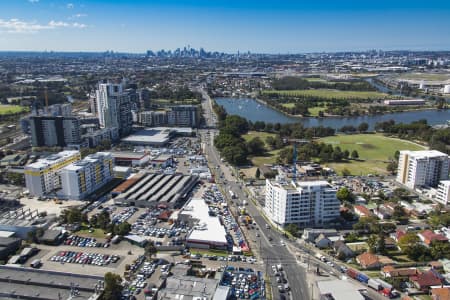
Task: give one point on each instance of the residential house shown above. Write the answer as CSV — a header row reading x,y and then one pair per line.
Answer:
x,y
342,250
362,211
310,234
383,213
425,280
322,242
391,272
397,235
368,260
442,293
428,236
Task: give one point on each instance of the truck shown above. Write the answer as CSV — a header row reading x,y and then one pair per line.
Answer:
x,y
362,278
352,273
115,239
232,195
373,283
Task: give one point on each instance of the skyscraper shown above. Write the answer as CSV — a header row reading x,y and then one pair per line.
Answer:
x,y
422,168
114,107
54,131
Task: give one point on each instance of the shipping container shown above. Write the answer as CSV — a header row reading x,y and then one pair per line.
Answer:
x,y
362,278
373,283
352,273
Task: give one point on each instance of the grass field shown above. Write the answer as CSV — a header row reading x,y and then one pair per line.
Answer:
x,y
313,111
331,94
11,109
97,233
425,76
262,135
374,151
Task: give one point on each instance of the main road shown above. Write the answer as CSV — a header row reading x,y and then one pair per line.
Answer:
x,y
270,240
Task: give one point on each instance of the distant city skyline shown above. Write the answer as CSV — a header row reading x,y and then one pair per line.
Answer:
x,y
226,26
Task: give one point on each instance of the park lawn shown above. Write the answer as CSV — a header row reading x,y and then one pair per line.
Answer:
x,y
262,135
375,151
331,94
314,111
371,146
315,79
11,109
288,105
270,158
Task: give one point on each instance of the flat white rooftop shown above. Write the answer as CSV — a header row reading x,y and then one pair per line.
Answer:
x,y
213,231
52,159
340,289
425,154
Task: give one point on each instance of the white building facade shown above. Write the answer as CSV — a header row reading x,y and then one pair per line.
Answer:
x,y
443,192
42,177
310,203
84,177
422,168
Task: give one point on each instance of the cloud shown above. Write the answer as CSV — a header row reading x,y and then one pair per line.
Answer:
x,y
19,26
70,5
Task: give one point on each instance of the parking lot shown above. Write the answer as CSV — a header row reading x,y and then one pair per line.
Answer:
x,y
85,258
244,283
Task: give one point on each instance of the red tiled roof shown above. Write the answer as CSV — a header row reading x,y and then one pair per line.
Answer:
x,y
429,236
427,279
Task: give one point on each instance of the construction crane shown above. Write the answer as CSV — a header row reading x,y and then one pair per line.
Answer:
x,y
294,142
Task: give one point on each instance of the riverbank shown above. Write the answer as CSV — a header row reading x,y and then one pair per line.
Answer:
x,y
257,110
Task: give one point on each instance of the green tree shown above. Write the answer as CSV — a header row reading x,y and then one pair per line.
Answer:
x,y
258,173
392,167
71,216
372,242
150,249
292,229
440,250
113,287
363,127
355,154
235,155
344,194
381,243
408,241
255,146
122,229
16,178
103,220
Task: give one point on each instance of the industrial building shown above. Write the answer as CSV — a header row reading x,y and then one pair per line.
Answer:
x,y
21,221
55,131
422,168
156,137
42,177
85,176
152,190
131,159
404,102
8,246
308,203
189,287
338,290
27,283
208,231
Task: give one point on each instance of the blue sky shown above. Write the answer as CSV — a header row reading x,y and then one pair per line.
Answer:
x,y
282,26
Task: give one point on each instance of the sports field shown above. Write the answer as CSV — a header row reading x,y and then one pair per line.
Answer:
x,y
11,109
331,94
374,151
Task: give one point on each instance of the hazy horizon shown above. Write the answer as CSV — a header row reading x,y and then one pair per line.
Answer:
x,y
268,27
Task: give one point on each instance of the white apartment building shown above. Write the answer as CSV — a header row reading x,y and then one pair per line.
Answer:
x,y
42,176
422,168
309,203
84,177
443,192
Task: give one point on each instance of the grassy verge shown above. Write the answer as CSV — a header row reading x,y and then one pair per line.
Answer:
x,y
97,233
331,94
11,109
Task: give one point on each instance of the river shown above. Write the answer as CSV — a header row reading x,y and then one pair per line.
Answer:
x,y
255,111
